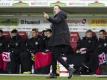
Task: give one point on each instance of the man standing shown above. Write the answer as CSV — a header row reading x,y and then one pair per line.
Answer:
x,y
59,40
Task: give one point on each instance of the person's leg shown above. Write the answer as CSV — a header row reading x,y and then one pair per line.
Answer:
x,y
25,59
17,64
12,64
93,63
62,50
1,64
57,55
64,63
54,64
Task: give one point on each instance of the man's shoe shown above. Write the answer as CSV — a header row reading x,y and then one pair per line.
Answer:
x,y
53,75
71,70
57,74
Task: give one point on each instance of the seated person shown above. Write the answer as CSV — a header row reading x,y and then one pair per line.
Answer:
x,y
102,51
34,45
102,42
87,47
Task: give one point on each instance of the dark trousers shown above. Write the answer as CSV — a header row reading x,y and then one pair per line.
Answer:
x,y
25,60
91,60
57,52
14,65
20,62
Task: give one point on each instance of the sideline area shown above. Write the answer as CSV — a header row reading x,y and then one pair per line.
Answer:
x,y
45,77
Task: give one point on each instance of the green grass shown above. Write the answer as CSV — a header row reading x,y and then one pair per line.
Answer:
x,y
45,78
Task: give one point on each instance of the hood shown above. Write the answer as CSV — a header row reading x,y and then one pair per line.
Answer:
x,y
63,14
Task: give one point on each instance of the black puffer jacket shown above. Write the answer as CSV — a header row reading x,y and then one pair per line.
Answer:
x,y
61,35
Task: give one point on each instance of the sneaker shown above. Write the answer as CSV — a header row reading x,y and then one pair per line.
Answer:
x,y
71,70
57,74
52,75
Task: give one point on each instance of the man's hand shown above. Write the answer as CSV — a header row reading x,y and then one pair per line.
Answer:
x,y
46,15
32,55
77,51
